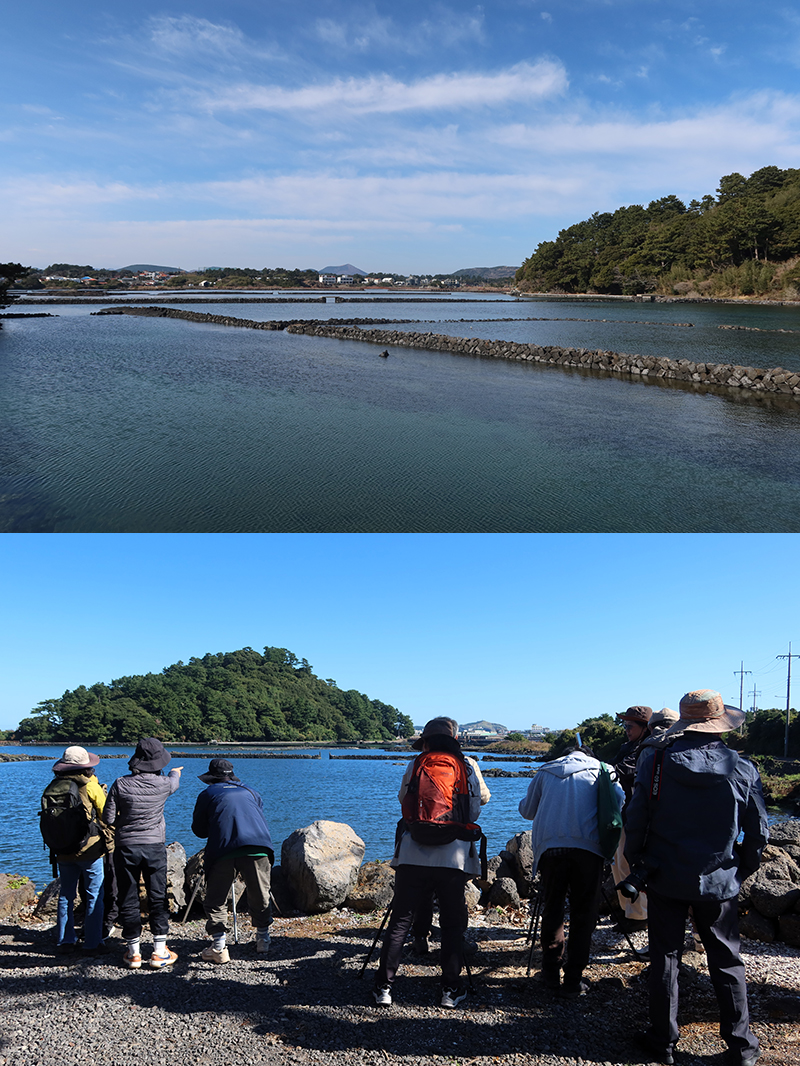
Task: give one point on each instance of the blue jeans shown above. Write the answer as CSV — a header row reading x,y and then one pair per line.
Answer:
x,y
70,873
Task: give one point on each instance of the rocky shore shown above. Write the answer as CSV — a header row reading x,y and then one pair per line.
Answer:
x,y
304,1005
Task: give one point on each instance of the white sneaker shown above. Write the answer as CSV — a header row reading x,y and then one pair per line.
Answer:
x,y
217,957
382,996
451,997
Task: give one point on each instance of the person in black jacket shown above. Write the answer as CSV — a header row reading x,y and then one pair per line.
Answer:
x,y
635,721
231,815
692,800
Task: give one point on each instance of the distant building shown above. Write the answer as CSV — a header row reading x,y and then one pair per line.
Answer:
x,y
327,279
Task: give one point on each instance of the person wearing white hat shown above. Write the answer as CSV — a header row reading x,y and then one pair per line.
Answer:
x,y
85,864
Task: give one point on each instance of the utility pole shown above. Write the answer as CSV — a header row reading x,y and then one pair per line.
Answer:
x,y
788,657
755,697
741,672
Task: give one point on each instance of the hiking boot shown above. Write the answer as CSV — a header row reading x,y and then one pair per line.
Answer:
x,y
101,949
262,945
574,989
550,980
132,962
382,994
217,957
736,1058
451,997
160,962
653,1048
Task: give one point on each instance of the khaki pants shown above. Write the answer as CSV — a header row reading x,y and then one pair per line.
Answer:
x,y
255,872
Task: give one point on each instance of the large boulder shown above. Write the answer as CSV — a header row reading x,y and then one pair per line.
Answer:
x,y
756,927
374,888
519,851
503,893
16,892
786,835
321,865
47,905
176,877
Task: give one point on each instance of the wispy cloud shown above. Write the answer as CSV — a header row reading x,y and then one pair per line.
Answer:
x,y
444,28
382,93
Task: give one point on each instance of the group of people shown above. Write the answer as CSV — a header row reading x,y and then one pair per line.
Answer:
x,y
685,797
125,845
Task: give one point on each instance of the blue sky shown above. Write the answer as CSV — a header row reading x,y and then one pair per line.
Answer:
x,y
512,628
404,137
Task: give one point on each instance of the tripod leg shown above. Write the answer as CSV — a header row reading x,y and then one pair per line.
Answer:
x,y
375,941
533,930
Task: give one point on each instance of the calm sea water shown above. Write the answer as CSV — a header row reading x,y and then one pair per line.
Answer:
x,y
134,425
296,792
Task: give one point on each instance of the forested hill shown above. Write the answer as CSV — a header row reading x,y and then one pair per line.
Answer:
x,y
744,241
238,695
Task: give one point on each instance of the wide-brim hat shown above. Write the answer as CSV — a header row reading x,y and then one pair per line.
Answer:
x,y
150,756
640,715
445,727
704,711
218,770
664,718
76,758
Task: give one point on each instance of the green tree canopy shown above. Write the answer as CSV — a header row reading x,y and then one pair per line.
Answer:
x,y
634,248
239,695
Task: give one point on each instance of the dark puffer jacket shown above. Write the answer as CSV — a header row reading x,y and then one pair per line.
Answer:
x,y
686,838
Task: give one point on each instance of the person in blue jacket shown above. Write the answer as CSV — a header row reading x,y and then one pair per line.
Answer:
x,y
692,799
231,815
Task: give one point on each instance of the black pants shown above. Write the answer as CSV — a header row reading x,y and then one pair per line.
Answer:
x,y
574,872
717,922
149,860
413,886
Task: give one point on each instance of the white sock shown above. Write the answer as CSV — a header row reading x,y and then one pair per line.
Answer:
x,y
218,943
134,947
159,945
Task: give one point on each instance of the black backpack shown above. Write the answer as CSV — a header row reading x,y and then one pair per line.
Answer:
x,y
63,820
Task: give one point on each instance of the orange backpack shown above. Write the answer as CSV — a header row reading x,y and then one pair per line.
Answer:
x,y
436,805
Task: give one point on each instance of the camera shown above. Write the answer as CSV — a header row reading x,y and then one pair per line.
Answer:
x,y
634,883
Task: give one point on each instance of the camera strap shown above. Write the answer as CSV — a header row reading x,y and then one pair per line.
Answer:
x,y
655,780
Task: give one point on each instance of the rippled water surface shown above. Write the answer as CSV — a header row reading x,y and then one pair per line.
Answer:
x,y
153,425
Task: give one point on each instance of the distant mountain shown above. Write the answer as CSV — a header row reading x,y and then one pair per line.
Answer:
x,y
490,273
488,726
346,268
136,267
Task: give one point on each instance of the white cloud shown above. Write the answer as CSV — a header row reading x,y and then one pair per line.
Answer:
x,y
382,93
443,29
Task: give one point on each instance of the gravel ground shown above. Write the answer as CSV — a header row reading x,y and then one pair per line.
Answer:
x,y
304,1004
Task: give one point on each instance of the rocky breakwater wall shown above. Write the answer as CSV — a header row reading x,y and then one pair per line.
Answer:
x,y
651,368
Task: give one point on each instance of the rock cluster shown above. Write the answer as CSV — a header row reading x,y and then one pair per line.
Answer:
x,y
321,869
769,901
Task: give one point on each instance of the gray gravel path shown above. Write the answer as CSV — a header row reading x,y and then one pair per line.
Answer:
x,y
304,1005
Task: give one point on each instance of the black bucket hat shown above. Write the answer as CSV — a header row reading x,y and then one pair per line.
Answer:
x,y
150,756
218,770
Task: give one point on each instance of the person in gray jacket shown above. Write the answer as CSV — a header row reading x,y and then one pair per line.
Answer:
x,y
691,800
562,803
135,807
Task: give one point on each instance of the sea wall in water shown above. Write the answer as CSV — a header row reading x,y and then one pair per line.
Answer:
x,y
713,376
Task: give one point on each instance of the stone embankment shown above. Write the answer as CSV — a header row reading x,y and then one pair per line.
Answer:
x,y
646,367
775,382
